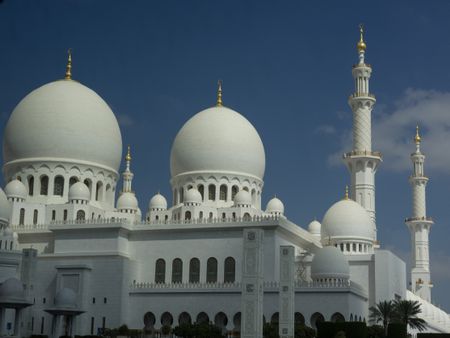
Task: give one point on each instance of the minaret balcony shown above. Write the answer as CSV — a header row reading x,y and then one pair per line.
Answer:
x,y
362,96
363,153
421,220
359,65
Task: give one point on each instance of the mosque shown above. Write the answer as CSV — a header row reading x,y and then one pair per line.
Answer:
x,y
75,260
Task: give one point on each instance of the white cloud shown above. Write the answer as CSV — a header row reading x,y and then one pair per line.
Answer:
x,y
326,129
392,132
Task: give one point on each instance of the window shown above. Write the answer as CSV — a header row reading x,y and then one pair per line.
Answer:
x,y
160,271
35,217
181,195
200,215
44,300
105,300
201,190
229,270
42,325
44,185
187,215
194,270
234,191
177,270
22,216
212,192
92,325
99,192
93,300
247,217
88,184
72,181
58,187
81,215
224,215
103,323
53,215
223,192
65,215
30,185
211,270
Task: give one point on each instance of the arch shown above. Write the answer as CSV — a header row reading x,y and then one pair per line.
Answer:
x,y
247,217
253,196
181,195
81,215
337,317
58,186
212,192
194,270
109,192
275,318
246,189
223,192
202,318
65,215
99,191
229,275
73,180
149,320
187,215
200,215
237,321
30,180
299,318
22,216
88,183
166,319
35,216
44,185
177,270
211,270
234,191
201,190
316,318
351,317
160,271
221,320
184,318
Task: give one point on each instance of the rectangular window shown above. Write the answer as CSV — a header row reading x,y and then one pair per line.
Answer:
x,y
105,300
42,325
92,325
32,324
103,323
53,215
93,300
43,300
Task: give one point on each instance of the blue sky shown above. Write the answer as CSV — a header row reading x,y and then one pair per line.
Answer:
x,y
286,66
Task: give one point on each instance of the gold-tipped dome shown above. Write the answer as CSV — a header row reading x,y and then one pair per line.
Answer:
x,y
346,193
417,138
69,65
219,94
128,155
361,46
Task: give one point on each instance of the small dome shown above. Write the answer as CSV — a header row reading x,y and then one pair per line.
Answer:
x,y
275,206
157,202
66,298
127,201
193,196
79,191
243,198
12,289
347,219
16,189
5,207
314,228
329,262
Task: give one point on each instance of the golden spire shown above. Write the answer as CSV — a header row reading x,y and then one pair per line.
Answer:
x,y
346,193
219,94
69,65
361,46
128,155
417,138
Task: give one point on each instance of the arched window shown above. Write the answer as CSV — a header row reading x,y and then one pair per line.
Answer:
x,y
44,185
299,318
58,187
166,319
160,271
88,183
30,185
221,320
275,318
201,190
53,215
234,191
149,320
229,270
223,192
200,215
81,215
211,270
184,318
108,193
99,191
72,181
194,270
22,216
177,271
315,319
187,215
202,318
35,216
237,321
212,192
337,318
253,196
210,215
65,215
246,189
247,217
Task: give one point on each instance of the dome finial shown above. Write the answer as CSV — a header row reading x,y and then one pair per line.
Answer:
x,y
219,94
417,138
128,155
69,65
361,46
346,193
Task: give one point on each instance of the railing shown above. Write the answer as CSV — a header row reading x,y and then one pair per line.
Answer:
x,y
364,65
111,220
362,152
411,219
254,218
16,227
356,95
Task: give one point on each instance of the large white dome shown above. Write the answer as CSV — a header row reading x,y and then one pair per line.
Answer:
x,y
63,120
218,139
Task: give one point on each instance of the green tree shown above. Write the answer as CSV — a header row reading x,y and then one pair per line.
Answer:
x,y
383,312
407,311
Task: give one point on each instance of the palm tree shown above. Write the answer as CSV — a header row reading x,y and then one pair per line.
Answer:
x,y
383,312
406,312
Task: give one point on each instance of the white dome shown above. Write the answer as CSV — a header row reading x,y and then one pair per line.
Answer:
x,y
218,139
275,206
12,289
7,232
243,198
347,219
329,262
79,191
314,228
5,207
127,201
193,196
157,202
16,189
66,298
63,120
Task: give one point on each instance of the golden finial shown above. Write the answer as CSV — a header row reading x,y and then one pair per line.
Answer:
x,y
69,65
361,46
346,193
219,94
128,155
417,138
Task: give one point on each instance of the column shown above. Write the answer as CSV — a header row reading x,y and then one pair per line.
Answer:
x,y
286,292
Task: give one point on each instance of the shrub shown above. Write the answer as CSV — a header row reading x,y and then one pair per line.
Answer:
x,y
375,331
38,336
433,335
397,330
351,329
303,331
165,329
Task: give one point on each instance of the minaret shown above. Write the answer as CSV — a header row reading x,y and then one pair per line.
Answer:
x,y
127,174
362,162
419,225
